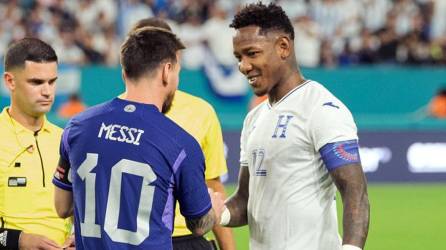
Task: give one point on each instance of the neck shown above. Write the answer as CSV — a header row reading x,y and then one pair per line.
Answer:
x,y
288,82
33,123
143,92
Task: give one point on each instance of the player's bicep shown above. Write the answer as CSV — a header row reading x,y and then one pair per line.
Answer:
x,y
63,196
61,177
63,202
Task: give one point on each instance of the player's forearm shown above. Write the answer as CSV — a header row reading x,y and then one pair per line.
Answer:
x,y
356,218
237,207
237,204
202,225
223,235
352,185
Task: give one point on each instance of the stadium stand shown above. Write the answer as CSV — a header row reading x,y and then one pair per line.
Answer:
x,y
371,31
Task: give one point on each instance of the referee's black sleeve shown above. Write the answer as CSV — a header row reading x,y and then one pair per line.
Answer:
x,y
9,239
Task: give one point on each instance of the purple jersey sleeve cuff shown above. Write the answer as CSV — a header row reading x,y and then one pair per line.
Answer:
x,y
62,185
339,154
200,213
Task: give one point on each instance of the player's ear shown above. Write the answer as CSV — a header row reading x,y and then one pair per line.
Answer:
x,y
283,47
167,70
8,78
124,77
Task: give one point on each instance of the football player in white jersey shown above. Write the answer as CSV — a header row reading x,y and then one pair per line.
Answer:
x,y
296,148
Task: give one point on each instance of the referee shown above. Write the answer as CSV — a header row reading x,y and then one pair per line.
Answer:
x,y
29,149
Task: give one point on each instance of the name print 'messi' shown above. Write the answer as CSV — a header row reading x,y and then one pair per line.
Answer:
x,y
120,133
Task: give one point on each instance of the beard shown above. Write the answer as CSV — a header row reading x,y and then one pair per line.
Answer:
x,y
167,103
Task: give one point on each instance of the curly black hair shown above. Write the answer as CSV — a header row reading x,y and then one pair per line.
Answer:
x,y
271,17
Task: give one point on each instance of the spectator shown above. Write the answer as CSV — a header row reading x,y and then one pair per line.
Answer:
x,y
437,106
387,27
73,106
307,43
438,22
221,45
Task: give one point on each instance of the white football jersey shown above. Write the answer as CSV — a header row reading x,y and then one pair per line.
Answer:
x,y
291,194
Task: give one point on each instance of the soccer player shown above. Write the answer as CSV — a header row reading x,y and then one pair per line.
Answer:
x,y
124,164
28,150
205,128
296,147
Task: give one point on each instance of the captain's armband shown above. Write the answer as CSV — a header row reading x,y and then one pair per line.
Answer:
x,y
339,154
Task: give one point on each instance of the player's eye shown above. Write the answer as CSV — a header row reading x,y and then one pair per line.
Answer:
x,y
36,81
253,53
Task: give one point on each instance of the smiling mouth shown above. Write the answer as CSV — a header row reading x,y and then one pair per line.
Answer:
x,y
252,80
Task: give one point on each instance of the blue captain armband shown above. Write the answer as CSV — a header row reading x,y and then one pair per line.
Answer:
x,y
341,153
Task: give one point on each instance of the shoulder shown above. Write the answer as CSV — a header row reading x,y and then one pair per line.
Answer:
x,y
173,136
93,111
53,128
176,133
5,122
182,98
89,113
322,100
316,91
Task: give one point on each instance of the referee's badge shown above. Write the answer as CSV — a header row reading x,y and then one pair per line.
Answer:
x,y
17,182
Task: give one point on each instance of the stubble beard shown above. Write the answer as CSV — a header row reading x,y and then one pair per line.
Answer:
x,y
167,103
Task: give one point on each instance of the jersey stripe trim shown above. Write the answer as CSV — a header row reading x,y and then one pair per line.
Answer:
x,y
289,93
199,213
178,161
62,185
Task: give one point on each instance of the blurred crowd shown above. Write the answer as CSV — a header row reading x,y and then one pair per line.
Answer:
x,y
328,32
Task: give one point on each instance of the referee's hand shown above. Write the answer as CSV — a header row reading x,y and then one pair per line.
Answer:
x,y
69,243
36,242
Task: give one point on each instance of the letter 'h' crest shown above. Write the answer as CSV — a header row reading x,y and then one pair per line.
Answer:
x,y
282,124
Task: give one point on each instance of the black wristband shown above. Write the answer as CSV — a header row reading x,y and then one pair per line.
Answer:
x,y
9,239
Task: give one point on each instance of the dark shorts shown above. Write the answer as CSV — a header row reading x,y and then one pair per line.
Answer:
x,y
191,242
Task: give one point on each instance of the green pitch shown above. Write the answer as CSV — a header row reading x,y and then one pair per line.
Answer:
x,y
403,217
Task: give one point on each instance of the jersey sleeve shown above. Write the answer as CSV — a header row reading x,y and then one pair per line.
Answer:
x,y
62,177
243,142
213,148
331,122
191,190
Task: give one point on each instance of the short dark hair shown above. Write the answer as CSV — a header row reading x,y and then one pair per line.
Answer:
x,y
146,48
271,17
151,22
28,49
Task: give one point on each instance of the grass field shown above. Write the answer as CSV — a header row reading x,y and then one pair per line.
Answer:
x,y
403,217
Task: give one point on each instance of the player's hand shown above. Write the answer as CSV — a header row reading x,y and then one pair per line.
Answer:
x,y
36,242
69,243
218,203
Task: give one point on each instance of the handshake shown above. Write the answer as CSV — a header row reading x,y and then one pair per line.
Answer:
x,y
215,216
218,205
